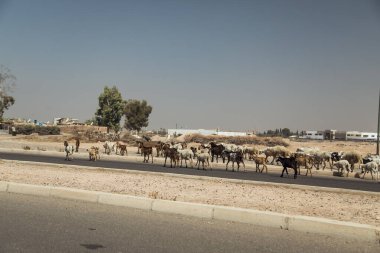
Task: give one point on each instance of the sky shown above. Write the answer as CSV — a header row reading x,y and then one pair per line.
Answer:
x,y
234,65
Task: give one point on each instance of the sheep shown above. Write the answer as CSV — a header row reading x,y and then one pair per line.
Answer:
x,y
342,165
352,157
186,154
203,158
260,160
371,167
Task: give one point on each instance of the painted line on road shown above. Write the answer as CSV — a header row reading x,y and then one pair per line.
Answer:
x,y
316,225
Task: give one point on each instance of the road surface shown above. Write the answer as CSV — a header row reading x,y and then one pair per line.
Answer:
x,y
333,182
38,224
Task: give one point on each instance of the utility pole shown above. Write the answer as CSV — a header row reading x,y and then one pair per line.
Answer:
x,y
378,127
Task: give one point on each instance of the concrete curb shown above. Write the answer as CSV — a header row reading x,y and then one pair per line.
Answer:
x,y
206,178
261,218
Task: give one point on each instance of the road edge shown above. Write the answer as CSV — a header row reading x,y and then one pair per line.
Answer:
x,y
206,178
307,224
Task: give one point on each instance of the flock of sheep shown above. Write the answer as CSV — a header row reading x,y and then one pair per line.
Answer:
x,y
182,153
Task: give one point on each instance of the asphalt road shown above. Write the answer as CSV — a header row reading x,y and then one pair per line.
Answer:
x,y
38,224
333,182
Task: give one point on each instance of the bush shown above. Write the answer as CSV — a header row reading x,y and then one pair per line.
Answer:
x,y
41,130
47,130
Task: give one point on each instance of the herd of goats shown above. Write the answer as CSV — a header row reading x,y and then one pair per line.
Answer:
x,y
231,153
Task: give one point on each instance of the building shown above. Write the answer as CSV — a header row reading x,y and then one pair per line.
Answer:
x,y
313,135
204,132
339,135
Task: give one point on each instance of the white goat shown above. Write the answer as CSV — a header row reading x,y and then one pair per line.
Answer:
x,y
371,167
186,154
203,158
342,165
69,152
109,146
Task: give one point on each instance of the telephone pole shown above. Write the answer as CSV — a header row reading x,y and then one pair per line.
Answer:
x,y
378,127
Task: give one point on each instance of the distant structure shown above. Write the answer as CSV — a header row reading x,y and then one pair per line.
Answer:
x,y
339,135
70,125
172,132
66,121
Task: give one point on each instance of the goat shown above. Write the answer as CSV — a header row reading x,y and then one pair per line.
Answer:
x,y
122,147
250,152
342,165
234,157
203,158
336,156
186,154
173,155
352,157
260,160
92,153
288,163
109,146
146,152
371,167
69,152
302,159
275,152
216,150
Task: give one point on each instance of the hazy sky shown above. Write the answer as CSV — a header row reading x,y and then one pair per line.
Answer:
x,y
236,65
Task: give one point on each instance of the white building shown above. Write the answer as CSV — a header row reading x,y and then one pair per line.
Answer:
x,y
204,132
313,135
362,136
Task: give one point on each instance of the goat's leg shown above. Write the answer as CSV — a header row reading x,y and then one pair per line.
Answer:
x,y
273,160
282,174
364,174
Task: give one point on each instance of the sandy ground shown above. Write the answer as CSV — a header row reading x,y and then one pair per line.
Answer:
x,y
360,208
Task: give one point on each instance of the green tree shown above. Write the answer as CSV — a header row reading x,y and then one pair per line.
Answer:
x,y
111,108
6,83
136,114
286,132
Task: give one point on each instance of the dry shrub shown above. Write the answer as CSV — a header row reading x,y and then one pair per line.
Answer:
x,y
238,140
26,148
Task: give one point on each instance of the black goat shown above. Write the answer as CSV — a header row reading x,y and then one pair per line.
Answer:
x,y
216,150
288,163
335,156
